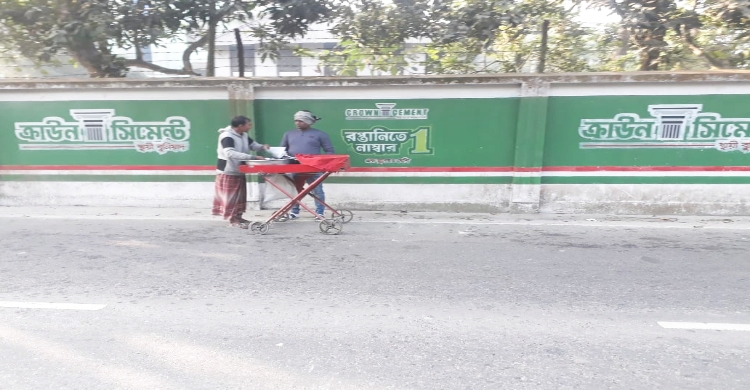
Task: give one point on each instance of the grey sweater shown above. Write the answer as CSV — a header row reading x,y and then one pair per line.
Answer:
x,y
232,148
308,141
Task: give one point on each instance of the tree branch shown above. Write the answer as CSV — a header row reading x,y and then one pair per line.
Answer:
x,y
186,65
697,50
190,49
156,68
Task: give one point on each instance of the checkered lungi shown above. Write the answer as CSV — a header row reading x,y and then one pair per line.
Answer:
x,y
230,196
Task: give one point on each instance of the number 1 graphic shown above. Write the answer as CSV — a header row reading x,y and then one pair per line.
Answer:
x,y
421,144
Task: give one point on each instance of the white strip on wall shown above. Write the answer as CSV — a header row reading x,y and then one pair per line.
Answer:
x,y
650,89
112,94
397,174
464,91
200,195
146,194
376,92
695,199
725,199
212,173
649,174
431,174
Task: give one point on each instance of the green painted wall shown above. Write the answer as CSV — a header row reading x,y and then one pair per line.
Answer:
x,y
204,117
523,141
452,132
527,133
455,132
562,146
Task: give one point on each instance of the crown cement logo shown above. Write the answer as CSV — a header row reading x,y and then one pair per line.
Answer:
x,y
680,126
385,111
102,130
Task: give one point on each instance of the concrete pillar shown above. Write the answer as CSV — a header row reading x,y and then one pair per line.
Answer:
x,y
242,102
529,151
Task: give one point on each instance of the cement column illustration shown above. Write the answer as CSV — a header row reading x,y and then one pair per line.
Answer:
x,y
672,119
94,123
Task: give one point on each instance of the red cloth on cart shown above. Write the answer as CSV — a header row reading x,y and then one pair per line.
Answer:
x,y
324,162
308,163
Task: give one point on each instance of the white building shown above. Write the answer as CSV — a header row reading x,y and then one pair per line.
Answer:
x,y
226,60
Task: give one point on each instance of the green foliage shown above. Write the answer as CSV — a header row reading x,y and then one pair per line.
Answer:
x,y
453,58
373,35
291,18
393,36
88,31
40,29
475,36
351,57
517,48
648,23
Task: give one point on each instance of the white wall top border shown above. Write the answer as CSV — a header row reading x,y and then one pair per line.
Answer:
x,y
111,94
653,89
464,91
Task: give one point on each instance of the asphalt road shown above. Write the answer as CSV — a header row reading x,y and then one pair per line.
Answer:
x,y
394,302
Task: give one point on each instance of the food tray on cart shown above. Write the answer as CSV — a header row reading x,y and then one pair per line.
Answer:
x,y
269,161
278,168
307,164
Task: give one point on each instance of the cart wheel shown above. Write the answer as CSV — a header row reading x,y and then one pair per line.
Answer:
x,y
255,227
344,215
258,227
331,226
282,218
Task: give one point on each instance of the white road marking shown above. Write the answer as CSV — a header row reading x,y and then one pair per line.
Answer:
x,y
704,326
49,305
687,224
634,224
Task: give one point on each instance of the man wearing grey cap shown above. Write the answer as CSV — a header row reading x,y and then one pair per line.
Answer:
x,y
307,140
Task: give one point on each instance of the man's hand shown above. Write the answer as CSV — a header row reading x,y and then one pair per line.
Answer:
x,y
266,146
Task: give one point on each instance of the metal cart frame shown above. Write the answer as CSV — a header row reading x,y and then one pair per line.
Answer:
x,y
339,217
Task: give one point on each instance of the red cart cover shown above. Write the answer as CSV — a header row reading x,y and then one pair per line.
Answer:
x,y
309,163
325,162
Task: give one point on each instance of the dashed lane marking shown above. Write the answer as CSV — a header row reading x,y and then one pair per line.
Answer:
x,y
50,305
704,326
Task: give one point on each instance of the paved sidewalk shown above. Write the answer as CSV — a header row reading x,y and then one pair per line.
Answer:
x,y
192,214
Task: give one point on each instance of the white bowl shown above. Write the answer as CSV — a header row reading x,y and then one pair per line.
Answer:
x,y
277,151
280,161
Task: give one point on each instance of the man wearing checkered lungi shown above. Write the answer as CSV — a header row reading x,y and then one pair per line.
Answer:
x,y
234,146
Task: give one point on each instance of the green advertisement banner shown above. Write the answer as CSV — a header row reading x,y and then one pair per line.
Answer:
x,y
631,131
707,130
417,133
111,132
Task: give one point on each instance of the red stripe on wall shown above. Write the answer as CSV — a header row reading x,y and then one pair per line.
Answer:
x,y
435,169
107,167
210,168
648,169
388,169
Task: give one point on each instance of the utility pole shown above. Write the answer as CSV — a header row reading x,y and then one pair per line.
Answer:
x,y
210,63
240,52
543,48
